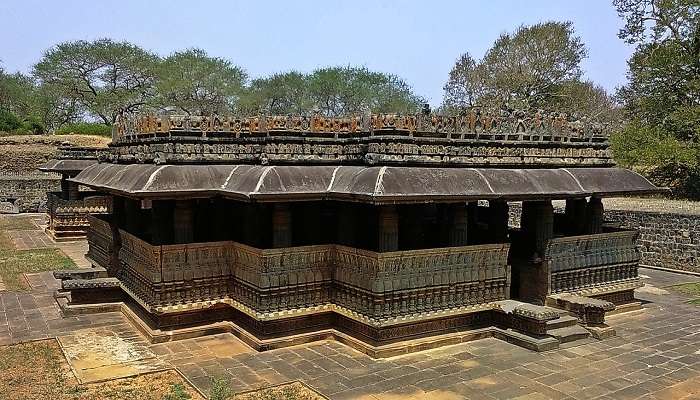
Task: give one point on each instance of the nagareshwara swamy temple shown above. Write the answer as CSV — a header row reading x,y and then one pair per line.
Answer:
x,y
389,233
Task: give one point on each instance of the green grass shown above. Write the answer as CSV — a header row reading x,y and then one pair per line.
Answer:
x,y
13,262
16,223
690,290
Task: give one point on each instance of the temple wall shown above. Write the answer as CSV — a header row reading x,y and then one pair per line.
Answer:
x,y
669,236
26,192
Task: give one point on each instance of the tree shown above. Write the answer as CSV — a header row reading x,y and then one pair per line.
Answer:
x,y
466,85
196,83
336,91
332,91
108,79
16,93
279,94
661,100
525,69
53,108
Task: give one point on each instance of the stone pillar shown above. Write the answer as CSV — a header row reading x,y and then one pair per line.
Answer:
x,y
116,221
159,223
458,220
281,225
73,191
65,187
183,215
533,275
347,216
594,216
575,216
223,219
538,224
388,229
498,221
132,213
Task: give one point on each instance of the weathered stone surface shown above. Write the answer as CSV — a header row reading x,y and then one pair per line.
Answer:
x,y
27,192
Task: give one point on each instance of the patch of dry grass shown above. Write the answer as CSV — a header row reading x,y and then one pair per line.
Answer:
x,y
289,391
38,371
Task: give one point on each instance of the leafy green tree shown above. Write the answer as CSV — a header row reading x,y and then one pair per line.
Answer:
x,y
530,68
195,83
108,79
466,85
279,94
16,93
53,108
339,91
662,97
332,91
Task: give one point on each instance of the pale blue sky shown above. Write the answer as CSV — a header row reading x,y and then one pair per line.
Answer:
x,y
416,40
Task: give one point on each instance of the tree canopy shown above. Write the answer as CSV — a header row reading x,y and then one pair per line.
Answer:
x,y
662,97
333,91
195,83
107,78
534,67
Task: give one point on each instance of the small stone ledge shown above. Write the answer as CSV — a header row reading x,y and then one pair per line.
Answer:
x,y
589,310
82,273
527,310
96,283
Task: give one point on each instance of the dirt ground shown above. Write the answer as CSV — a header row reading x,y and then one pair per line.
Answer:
x,y
38,371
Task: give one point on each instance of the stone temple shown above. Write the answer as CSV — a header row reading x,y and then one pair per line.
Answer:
x,y
389,233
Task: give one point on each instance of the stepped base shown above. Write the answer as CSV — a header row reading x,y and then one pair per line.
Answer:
x,y
569,333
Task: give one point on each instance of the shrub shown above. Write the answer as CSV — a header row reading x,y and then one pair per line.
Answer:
x,y
662,158
177,392
220,389
9,122
86,128
33,125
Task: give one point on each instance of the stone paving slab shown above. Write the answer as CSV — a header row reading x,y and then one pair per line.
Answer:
x,y
101,354
656,355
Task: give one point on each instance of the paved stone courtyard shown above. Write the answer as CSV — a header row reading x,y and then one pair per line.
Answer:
x,y
656,355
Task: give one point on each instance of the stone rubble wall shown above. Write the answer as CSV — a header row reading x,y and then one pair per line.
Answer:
x,y
26,192
669,230
666,240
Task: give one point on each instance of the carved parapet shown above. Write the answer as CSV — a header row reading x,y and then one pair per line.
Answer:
x,y
590,261
377,286
69,218
491,125
100,241
471,139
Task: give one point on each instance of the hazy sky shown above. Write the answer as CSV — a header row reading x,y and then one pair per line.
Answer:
x,y
416,40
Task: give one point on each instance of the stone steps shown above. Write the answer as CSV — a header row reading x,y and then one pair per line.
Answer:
x,y
569,333
561,322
